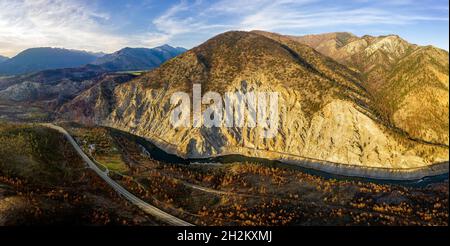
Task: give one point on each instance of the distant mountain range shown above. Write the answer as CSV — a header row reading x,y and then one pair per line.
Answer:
x,y
3,58
52,87
132,59
39,59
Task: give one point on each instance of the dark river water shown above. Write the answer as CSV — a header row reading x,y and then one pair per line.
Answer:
x,y
161,155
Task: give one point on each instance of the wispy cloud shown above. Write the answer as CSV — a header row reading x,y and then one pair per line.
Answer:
x,y
280,17
183,18
59,23
288,15
79,24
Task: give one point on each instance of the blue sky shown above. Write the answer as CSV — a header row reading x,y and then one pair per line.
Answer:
x,y
108,25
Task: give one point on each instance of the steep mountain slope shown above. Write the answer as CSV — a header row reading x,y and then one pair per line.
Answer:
x,y
325,112
133,59
94,104
409,83
38,59
330,44
417,92
3,58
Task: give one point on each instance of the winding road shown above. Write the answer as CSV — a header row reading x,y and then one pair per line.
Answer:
x,y
147,208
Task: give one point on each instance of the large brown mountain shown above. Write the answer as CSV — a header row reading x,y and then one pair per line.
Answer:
x,y
326,111
409,83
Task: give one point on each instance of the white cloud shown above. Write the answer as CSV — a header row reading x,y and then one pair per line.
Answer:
x,y
74,24
182,18
56,23
281,15
281,18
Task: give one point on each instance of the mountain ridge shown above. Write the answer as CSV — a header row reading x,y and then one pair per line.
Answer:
x,y
50,88
326,113
46,58
38,59
385,64
3,58
138,58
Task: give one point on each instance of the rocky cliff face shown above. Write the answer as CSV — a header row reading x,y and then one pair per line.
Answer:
x,y
409,83
325,111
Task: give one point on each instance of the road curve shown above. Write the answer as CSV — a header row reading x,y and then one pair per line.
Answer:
x,y
147,208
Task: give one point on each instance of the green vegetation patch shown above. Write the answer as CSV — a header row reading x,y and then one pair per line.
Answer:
x,y
101,146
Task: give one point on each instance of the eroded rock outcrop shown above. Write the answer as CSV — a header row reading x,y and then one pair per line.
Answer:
x,y
325,112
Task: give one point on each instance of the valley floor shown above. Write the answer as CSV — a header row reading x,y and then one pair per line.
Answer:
x,y
250,193
44,181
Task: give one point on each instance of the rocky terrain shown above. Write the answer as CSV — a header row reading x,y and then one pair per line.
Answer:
x,y
49,89
99,94
409,83
327,111
39,95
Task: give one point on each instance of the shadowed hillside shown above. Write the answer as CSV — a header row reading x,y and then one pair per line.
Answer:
x,y
409,83
326,111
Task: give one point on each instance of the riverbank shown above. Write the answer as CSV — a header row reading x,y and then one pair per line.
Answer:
x,y
378,173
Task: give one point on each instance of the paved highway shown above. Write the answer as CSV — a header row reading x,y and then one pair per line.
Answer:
x,y
149,209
